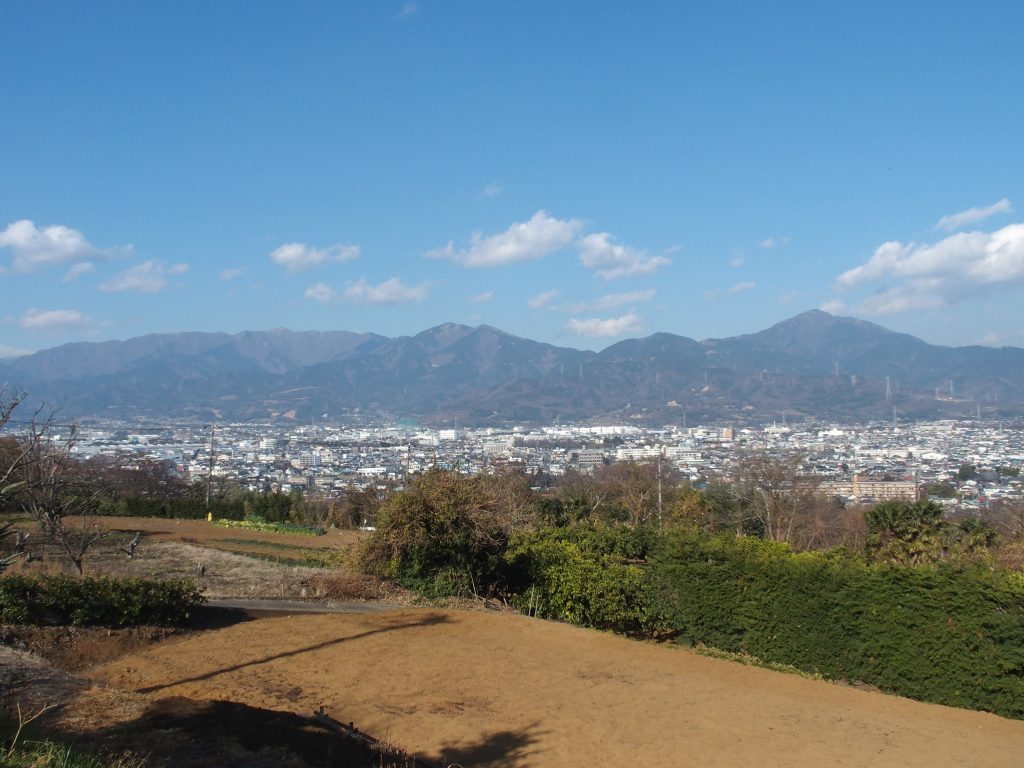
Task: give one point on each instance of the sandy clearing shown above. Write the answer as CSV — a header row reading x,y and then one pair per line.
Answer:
x,y
503,690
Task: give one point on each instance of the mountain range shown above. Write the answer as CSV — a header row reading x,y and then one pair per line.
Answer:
x,y
811,365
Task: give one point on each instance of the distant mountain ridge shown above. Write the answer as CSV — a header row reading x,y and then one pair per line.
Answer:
x,y
813,364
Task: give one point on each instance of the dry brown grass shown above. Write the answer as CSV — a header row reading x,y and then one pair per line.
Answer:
x,y
224,568
348,586
30,681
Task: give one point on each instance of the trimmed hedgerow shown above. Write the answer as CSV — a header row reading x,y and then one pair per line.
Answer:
x,y
951,634
96,601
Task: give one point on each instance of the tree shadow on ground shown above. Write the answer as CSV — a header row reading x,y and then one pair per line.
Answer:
x,y
216,617
179,731
508,749
392,625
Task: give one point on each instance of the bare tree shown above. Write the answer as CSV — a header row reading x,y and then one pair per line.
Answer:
x,y
14,455
643,491
512,498
584,495
778,496
57,494
359,506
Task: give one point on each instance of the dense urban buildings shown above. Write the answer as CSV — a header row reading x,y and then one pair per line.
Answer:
x,y
964,464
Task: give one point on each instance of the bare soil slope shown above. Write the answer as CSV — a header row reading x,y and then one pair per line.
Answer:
x,y
487,689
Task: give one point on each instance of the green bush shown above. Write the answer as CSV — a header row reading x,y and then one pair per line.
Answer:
x,y
96,601
581,576
952,634
256,523
444,535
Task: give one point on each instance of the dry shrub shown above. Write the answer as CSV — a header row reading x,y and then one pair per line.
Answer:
x,y
341,585
1009,555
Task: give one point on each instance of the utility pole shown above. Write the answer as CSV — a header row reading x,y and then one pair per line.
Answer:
x,y
661,519
209,474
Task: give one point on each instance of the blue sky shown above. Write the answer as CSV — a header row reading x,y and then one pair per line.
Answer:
x,y
572,172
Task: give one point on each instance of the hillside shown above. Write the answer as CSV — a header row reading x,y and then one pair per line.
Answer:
x,y
814,364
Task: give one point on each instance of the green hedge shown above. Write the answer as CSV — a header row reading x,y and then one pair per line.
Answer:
x,y
952,634
96,601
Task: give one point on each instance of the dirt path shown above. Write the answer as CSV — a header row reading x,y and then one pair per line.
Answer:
x,y
486,689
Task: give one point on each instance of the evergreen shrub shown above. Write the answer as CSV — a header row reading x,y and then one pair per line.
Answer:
x,y
96,601
583,576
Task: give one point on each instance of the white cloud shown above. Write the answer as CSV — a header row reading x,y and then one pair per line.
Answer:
x,y
906,298
391,291
939,274
833,307
991,339
230,274
973,215
715,293
299,257
523,241
741,287
736,262
606,327
611,261
482,298
8,352
148,277
610,301
408,10
322,292
542,299
34,248
788,297
54,319
773,242
77,270
491,190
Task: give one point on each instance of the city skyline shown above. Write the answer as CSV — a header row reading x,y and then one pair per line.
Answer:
x,y
575,175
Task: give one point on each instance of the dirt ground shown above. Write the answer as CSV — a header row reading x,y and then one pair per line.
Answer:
x,y
489,689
